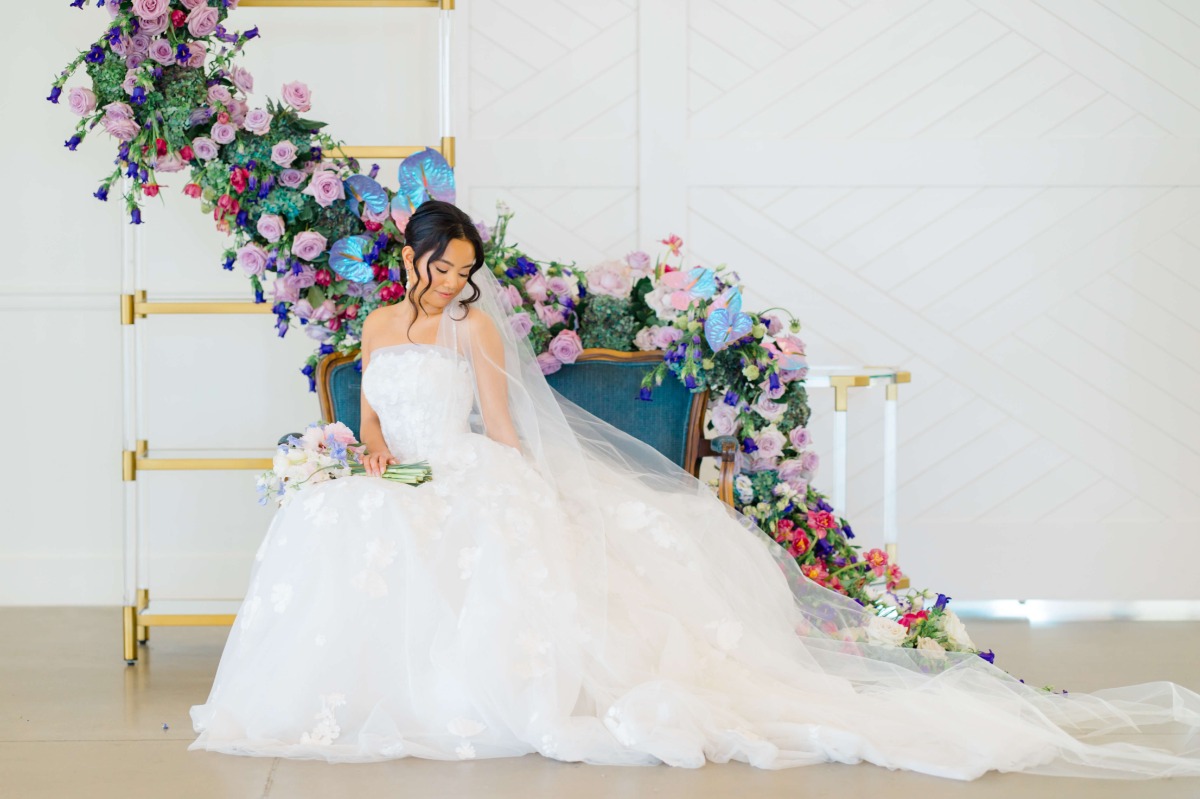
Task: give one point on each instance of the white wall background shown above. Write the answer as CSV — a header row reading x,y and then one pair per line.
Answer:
x,y
1001,195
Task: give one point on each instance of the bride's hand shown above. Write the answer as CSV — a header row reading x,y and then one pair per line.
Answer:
x,y
376,462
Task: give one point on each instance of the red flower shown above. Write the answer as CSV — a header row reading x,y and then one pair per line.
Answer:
x,y
222,117
160,146
335,323
821,520
225,202
877,559
380,272
815,572
238,179
799,544
192,190
785,530
178,18
894,576
909,618
322,279
186,153
351,311
374,227
150,189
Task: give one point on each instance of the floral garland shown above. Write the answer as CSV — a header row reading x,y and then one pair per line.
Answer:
x,y
164,84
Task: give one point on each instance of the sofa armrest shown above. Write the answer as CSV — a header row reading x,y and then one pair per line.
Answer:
x,y
725,447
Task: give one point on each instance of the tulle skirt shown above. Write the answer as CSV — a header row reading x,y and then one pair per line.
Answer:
x,y
468,617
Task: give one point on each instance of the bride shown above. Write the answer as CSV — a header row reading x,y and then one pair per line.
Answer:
x,y
561,588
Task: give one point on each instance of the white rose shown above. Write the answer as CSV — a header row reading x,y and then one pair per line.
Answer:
x,y
886,631
932,647
956,631
656,298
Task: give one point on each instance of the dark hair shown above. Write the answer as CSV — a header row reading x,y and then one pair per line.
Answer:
x,y
430,229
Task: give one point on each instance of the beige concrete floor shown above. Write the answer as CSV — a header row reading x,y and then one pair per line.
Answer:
x,y
75,721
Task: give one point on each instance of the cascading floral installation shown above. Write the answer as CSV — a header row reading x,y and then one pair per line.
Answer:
x,y
164,84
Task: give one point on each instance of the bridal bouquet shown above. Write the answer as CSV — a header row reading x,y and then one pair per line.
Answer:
x,y
323,453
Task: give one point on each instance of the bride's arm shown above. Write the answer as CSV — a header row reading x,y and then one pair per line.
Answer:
x,y
370,431
492,381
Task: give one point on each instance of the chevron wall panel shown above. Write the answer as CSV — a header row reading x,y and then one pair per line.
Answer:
x,y
1001,195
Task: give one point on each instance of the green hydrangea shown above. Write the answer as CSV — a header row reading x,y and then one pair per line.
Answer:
x,y
608,322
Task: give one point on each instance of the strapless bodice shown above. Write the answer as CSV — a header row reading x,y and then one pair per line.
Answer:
x,y
412,389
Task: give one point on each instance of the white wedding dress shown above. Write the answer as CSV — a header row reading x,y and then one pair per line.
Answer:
x,y
458,619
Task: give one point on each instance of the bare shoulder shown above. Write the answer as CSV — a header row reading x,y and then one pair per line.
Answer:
x,y
377,317
479,322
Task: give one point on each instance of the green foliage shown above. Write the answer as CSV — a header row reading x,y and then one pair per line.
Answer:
x,y
608,322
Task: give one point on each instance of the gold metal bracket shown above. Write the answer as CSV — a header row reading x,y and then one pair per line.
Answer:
x,y
136,461
841,389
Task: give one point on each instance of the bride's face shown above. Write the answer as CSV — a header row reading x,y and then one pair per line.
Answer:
x,y
444,277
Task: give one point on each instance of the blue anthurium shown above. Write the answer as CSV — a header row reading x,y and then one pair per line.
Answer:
x,y
362,190
348,258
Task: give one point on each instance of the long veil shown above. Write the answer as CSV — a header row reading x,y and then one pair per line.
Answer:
x,y
798,644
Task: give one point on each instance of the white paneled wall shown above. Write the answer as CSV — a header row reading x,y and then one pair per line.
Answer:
x,y
1001,195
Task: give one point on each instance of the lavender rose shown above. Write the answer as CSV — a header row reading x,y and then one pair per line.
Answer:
x,y
120,129
665,336
271,227
162,52
258,121
237,112
550,315
548,363
190,4
198,52
639,264
219,94
770,442
283,153
297,95
799,438
791,471
809,462
134,60
139,43
242,79
154,26
291,178
148,9
201,21
322,313
768,408
521,323
82,101
205,148
536,288
118,111
308,245
566,346
171,162
325,187
223,133
510,297
724,419
252,258
559,285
